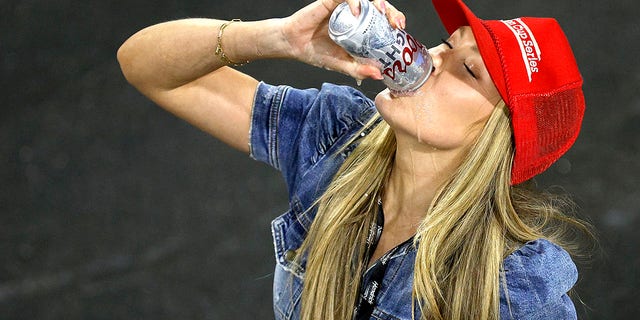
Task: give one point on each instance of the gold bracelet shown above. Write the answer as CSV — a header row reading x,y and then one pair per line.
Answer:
x,y
220,51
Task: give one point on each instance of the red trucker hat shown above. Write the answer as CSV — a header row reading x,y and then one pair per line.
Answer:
x,y
531,63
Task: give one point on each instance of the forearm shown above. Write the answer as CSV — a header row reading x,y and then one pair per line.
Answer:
x,y
171,54
175,64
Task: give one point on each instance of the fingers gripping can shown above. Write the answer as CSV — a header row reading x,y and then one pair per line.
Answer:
x,y
404,62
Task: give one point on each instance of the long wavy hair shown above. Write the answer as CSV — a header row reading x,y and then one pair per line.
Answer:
x,y
475,220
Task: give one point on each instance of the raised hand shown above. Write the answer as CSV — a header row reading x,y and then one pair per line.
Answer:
x,y
306,33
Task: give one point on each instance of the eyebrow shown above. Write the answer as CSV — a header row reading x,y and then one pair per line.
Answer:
x,y
474,47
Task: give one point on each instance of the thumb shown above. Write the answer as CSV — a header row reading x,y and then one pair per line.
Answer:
x,y
362,71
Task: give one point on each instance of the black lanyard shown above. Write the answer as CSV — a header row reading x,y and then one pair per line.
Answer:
x,y
369,290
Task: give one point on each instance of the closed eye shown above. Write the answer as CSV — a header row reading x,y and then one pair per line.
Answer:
x,y
465,65
470,71
447,43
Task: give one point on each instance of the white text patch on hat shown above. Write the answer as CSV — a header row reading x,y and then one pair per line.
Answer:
x,y
531,55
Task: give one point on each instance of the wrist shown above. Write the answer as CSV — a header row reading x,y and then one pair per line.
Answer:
x,y
220,52
252,40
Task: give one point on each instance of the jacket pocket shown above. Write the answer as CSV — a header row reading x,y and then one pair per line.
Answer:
x,y
287,291
288,235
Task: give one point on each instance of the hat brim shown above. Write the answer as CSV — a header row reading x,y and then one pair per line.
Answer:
x,y
455,14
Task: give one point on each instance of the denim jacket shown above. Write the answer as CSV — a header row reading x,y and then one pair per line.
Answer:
x,y
302,133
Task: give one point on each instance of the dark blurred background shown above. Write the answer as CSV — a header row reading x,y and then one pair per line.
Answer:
x,y
113,209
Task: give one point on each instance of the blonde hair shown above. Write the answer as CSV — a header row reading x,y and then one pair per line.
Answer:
x,y
475,220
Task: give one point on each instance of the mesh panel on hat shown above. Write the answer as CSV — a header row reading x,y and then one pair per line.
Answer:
x,y
532,65
545,127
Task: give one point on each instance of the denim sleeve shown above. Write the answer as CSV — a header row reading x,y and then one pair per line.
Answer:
x,y
292,129
538,277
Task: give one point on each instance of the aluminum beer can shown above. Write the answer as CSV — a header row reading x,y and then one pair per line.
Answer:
x,y
404,62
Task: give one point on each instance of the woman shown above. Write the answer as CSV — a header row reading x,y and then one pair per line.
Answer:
x,y
406,207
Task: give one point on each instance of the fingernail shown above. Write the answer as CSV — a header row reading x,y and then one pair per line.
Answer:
x,y
399,23
383,6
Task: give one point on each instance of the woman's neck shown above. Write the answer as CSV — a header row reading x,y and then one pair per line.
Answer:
x,y
417,174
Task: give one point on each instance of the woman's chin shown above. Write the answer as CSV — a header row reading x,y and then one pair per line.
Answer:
x,y
384,95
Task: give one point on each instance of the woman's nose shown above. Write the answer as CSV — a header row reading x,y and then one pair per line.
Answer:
x,y
437,58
